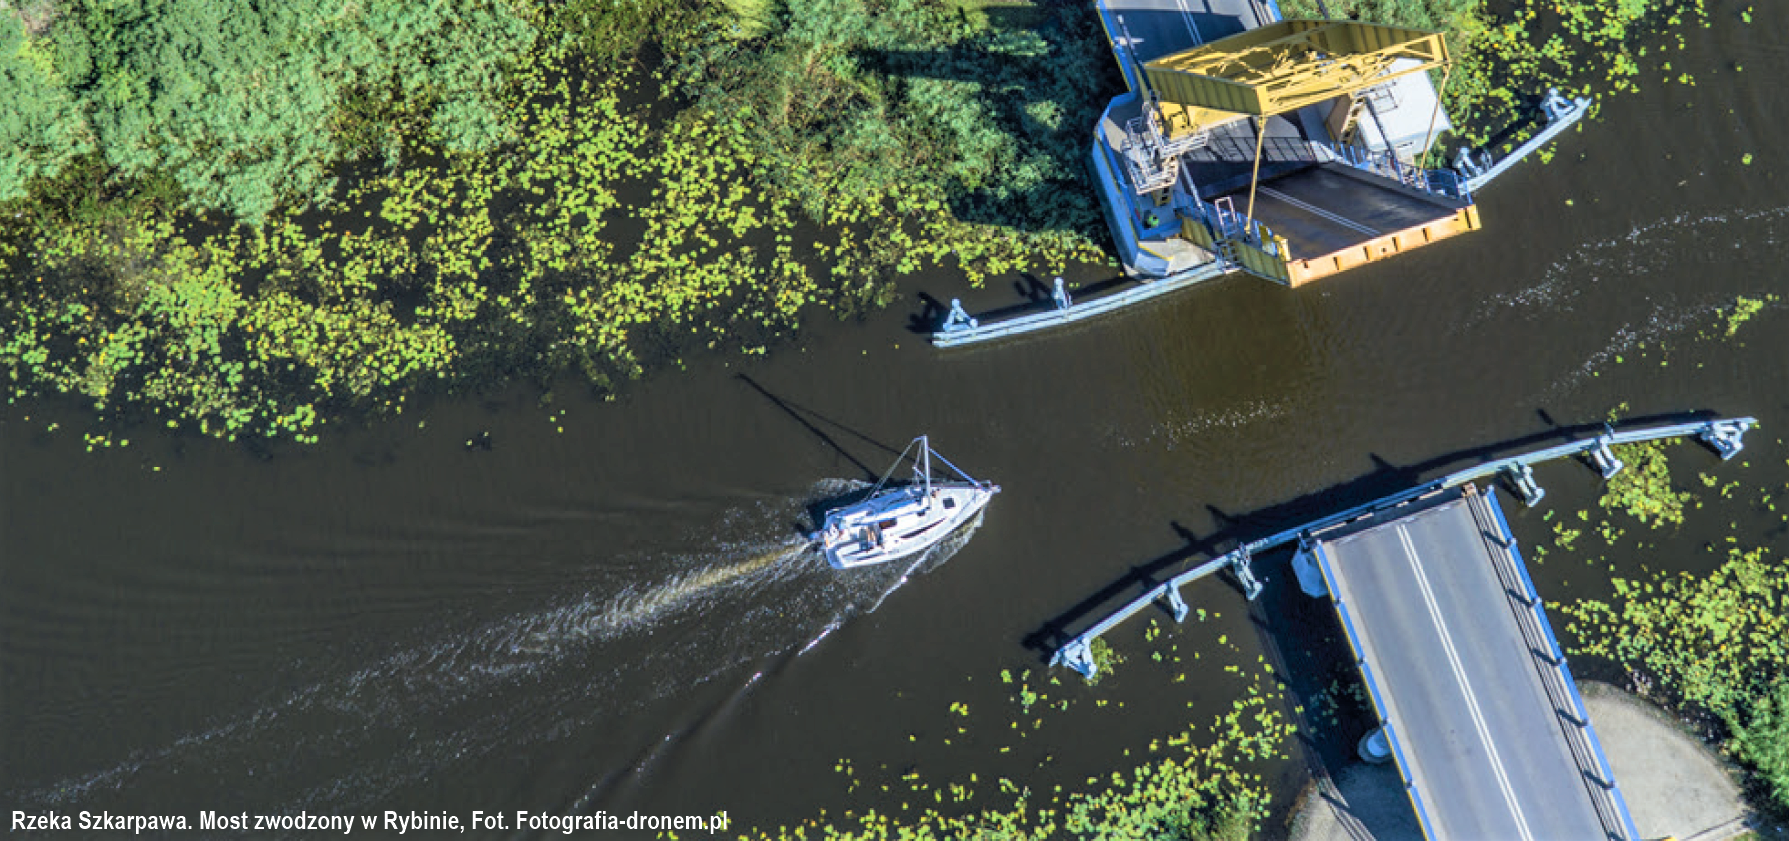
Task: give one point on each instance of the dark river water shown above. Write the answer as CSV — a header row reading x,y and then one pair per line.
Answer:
x,y
621,615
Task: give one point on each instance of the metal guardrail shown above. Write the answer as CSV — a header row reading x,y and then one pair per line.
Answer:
x,y
1561,113
1440,182
960,328
1556,677
1723,435
1562,692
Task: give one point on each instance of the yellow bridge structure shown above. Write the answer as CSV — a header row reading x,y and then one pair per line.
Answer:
x,y
1352,204
1288,149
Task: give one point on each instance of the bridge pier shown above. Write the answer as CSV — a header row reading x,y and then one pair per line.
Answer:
x,y
1522,476
1175,603
958,319
1604,458
1305,569
1724,437
1245,574
1079,656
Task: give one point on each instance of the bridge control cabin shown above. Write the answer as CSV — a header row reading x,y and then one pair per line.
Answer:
x,y
1290,148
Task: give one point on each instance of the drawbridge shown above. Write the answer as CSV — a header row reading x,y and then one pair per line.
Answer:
x,y
1291,149
1471,693
1471,689
1288,149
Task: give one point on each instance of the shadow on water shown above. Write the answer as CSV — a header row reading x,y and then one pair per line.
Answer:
x,y
889,577
1386,479
801,414
1036,296
748,596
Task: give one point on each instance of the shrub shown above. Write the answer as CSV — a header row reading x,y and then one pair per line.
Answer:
x,y
1761,737
41,126
227,96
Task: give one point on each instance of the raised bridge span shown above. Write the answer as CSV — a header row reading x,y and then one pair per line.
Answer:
x,y
1470,687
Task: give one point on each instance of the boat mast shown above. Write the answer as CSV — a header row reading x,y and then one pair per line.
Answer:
x,y
925,464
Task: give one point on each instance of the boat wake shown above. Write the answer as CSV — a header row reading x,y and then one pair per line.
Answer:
x,y
1746,245
1658,247
554,673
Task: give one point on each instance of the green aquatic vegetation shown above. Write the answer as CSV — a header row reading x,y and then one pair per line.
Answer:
x,y
1202,789
1744,308
783,159
1105,657
1716,641
1712,643
614,213
271,328
1343,696
1644,488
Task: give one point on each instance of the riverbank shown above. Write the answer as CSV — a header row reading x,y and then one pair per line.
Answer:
x,y
753,168
337,629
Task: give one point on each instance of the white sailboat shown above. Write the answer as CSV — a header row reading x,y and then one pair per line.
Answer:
x,y
900,522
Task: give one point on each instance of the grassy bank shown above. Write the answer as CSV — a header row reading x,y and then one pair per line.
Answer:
x,y
597,185
507,189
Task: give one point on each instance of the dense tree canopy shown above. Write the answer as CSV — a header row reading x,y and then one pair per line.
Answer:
x,y
241,103
41,126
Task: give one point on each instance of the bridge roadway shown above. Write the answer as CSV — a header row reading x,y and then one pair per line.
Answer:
x,y
1470,686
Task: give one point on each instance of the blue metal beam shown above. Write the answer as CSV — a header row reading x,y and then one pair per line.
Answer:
x,y
957,333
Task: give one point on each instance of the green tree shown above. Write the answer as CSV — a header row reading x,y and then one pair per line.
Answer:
x,y
235,100
1763,737
41,126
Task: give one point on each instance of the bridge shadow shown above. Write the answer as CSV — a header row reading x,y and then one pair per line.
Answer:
x,y
1313,663
1234,529
1037,296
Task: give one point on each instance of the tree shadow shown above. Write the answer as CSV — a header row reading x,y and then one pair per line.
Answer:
x,y
1024,86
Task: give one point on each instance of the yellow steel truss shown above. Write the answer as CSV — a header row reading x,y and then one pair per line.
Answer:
x,y
1282,67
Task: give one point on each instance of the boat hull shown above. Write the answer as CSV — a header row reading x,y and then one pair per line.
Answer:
x,y
900,523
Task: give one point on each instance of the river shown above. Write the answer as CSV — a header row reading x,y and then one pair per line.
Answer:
x,y
606,605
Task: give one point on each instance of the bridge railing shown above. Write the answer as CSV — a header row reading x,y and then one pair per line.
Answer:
x,y
1556,678
1440,182
1724,436
1560,114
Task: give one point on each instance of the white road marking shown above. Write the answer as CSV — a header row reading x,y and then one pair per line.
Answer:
x,y
1318,211
1472,708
